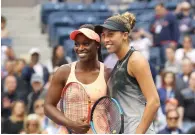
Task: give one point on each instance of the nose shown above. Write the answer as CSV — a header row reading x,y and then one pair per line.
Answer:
x,y
81,47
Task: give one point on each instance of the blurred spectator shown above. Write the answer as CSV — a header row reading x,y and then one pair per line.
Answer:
x,y
4,31
39,110
171,64
15,123
7,53
168,88
9,95
185,17
58,58
35,67
19,66
37,83
142,41
160,120
186,51
183,77
8,69
22,86
165,30
47,126
172,117
186,99
32,125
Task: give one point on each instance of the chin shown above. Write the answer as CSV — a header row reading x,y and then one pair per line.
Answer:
x,y
83,59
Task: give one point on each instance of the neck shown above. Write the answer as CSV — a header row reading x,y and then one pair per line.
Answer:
x,y
10,92
123,51
168,87
172,60
187,49
88,65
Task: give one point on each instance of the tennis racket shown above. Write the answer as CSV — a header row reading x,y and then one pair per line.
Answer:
x,y
107,116
75,103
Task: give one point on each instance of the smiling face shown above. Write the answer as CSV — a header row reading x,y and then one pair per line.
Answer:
x,y
113,40
85,48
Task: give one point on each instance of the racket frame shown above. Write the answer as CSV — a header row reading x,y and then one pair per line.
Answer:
x,y
119,108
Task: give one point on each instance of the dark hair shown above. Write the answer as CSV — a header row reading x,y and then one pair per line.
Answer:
x,y
3,19
161,5
164,75
172,110
55,60
92,27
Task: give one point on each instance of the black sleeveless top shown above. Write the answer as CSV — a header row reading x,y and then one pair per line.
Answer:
x,y
126,90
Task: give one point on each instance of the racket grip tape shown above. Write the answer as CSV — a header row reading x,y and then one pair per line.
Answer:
x,y
122,124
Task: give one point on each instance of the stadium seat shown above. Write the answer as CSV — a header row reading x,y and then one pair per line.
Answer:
x,y
76,7
69,49
58,19
171,5
63,33
137,5
47,9
98,7
152,4
104,15
83,18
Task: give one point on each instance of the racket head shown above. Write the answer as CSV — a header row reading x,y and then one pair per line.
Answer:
x,y
74,102
107,116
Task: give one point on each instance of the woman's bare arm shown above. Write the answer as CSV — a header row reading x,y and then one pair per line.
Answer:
x,y
53,96
138,67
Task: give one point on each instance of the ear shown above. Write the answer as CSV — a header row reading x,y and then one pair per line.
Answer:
x,y
125,35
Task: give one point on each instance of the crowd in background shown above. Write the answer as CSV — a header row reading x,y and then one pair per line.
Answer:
x,y
25,83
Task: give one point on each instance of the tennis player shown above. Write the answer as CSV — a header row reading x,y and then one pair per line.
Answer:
x,y
131,81
88,71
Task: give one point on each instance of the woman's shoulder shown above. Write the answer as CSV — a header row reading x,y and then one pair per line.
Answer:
x,y
63,70
137,58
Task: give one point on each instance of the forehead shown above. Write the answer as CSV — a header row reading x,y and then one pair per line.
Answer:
x,y
172,113
158,7
10,78
186,39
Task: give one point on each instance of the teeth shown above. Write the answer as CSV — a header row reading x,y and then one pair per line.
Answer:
x,y
108,46
82,54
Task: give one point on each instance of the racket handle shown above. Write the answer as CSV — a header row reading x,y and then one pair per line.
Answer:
x,y
122,124
89,112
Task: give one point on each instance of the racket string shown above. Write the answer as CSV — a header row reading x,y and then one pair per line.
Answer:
x,y
75,102
107,114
